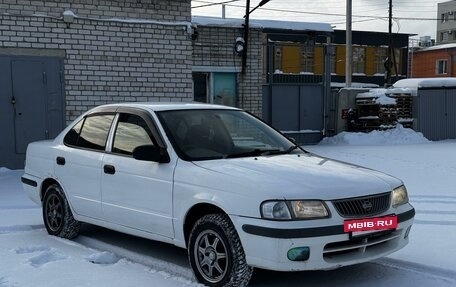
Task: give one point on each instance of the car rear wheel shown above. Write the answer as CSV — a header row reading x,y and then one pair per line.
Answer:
x,y
216,254
57,216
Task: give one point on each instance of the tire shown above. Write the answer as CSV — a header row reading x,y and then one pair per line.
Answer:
x,y
216,254
57,216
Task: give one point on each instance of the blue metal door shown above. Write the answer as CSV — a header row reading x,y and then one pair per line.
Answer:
x,y
31,104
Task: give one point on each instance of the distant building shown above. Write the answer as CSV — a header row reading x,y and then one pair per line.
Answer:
x,y
297,61
434,62
446,24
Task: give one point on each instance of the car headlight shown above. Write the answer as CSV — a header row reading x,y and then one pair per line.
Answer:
x,y
308,209
275,210
399,196
298,209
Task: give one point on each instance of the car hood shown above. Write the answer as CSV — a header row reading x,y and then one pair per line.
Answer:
x,y
304,176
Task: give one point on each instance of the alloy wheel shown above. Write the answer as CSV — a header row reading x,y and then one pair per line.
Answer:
x,y
54,212
210,255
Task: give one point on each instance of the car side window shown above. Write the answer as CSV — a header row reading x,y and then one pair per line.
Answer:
x,y
131,131
72,137
94,132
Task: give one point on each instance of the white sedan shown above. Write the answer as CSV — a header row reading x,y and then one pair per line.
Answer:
x,y
215,180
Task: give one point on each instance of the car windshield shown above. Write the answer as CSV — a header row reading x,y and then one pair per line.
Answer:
x,y
216,134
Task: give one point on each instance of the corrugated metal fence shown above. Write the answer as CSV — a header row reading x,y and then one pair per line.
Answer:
x,y
435,112
295,109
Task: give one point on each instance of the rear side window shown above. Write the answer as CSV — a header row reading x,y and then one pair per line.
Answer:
x,y
132,131
90,133
71,138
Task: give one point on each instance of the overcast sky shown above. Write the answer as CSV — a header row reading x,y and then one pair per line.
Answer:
x,y
333,12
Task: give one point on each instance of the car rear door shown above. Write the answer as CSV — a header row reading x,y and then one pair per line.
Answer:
x,y
136,194
78,164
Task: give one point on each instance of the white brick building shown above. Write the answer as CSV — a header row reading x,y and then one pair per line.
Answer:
x,y
52,70
106,60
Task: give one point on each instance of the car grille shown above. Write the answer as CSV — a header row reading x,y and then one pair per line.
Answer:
x,y
371,245
363,206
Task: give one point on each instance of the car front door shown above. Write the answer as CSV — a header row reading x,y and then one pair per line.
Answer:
x,y
136,194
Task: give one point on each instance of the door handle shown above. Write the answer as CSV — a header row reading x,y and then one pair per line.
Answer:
x,y
60,160
109,169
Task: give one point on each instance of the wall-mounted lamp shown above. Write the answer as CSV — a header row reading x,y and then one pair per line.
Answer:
x,y
194,34
239,46
68,17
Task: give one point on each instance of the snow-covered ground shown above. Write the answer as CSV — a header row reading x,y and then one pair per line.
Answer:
x,y
99,257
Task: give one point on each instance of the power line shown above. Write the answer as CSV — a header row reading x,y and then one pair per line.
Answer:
x,y
356,21
212,3
372,17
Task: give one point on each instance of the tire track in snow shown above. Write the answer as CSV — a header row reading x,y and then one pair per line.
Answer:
x,y
432,196
432,201
5,283
424,216
431,271
19,228
166,269
436,212
435,222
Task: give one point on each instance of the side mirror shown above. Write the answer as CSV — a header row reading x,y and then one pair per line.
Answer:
x,y
151,153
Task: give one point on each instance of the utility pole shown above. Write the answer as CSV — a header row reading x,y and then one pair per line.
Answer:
x,y
246,30
348,48
246,36
389,61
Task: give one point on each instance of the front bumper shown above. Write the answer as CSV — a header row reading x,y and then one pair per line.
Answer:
x,y
266,243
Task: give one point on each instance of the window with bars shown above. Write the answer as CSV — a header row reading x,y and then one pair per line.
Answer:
x,y
359,56
307,59
381,53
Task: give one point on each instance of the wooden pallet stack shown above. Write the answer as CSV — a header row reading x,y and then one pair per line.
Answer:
x,y
376,114
404,108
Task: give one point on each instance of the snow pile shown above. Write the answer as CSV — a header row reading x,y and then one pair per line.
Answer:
x,y
104,258
380,96
399,91
4,169
417,83
354,85
399,135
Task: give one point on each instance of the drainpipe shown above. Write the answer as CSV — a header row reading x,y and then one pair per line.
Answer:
x,y
450,63
348,46
328,50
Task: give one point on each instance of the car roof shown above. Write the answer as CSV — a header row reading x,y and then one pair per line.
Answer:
x,y
170,106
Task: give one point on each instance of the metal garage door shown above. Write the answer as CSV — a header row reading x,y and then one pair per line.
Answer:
x,y
296,110
31,104
437,113
451,112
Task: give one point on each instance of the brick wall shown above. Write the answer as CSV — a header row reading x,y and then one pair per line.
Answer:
x,y
108,61
424,63
214,47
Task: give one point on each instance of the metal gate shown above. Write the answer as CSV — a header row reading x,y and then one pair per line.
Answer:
x,y
31,104
436,117
297,110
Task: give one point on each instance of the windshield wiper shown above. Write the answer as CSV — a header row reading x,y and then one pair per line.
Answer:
x,y
255,152
292,148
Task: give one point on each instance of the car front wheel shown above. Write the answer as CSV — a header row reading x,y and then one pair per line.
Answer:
x,y
57,216
216,254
